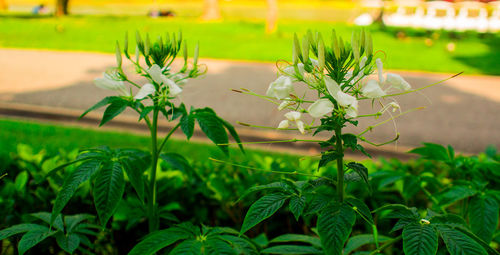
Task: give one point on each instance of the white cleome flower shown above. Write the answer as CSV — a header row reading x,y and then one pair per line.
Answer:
x,y
287,102
293,117
283,124
397,82
156,74
281,88
320,108
372,89
290,70
173,89
349,102
146,90
107,82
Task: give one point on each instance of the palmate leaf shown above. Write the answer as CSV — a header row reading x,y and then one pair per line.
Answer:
x,y
233,133
69,242
334,227
297,205
420,239
458,243
187,125
213,128
327,157
263,209
361,170
113,110
71,183
292,249
483,216
103,102
159,240
108,190
33,238
177,161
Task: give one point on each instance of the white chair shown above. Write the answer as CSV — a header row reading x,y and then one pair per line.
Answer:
x,y
472,16
440,15
408,14
494,20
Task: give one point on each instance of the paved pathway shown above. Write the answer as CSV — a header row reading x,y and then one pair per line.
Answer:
x,y
463,112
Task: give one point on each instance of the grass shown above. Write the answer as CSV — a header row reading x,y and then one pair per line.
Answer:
x,y
246,40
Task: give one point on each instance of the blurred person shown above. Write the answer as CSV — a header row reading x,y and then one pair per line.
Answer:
x,y
39,9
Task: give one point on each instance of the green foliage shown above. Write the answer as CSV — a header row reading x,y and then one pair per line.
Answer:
x,y
334,227
420,239
262,209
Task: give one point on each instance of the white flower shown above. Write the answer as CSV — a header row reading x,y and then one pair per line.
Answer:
x,y
280,88
320,108
300,126
107,82
287,102
349,102
396,81
283,124
146,90
290,70
380,70
156,74
393,105
179,78
372,89
293,115
332,86
174,89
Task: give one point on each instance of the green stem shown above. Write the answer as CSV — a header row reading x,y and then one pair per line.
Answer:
x,y
340,164
168,136
152,215
377,251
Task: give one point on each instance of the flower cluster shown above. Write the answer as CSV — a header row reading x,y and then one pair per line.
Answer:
x,y
340,76
162,83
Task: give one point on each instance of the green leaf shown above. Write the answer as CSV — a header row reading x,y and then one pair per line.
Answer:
x,y
21,180
113,110
362,209
483,216
361,170
158,240
454,194
233,132
351,141
327,157
145,112
399,211
241,245
71,183
68,243
187,125
334,227
103,102
18,229
458,243
213,128
356,242
135,175
292,249
297,205
108,190
314,241
32,238
45,217
218,246
177,161
73,221
279,186
188,247
263,209
420,239
432,151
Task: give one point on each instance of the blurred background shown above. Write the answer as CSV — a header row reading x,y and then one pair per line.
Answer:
x,y
51,50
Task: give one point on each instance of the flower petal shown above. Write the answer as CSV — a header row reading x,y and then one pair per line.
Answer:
x,y
372,89
396,81
285,104
283,124
345,99
156,74
280,88
300,126
145,91
293,116
320,108
174,89
332,86
380,70
290,70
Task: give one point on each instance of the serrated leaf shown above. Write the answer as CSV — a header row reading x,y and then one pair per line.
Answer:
x,y
483,216
233,133
103,102
113,110
314,241
361,170
177,161
432,151
71,183
73,221
458,243
214,129
217,246
18,229
158,240
262,209
108,190
401,223
46,217
241,245
297,205
356,242
420,239
292,249
327,157
188,247
134,166
399,211
279,186
33,238
68,243
187,125
362,209
334,227
454,194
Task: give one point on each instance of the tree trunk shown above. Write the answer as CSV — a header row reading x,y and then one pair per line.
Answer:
x,y
3,5
211,10
272,16
61,7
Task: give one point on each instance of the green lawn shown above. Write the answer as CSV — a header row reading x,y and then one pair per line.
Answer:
x,y
246,40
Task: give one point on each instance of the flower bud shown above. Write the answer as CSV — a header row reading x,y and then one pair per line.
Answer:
x,y
305,48
138,38
137,54
296,49
125,45
362,39
118,54
195,56
368,44
185,51
355,46
321,54
341,46
335,45
147,45
160,42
